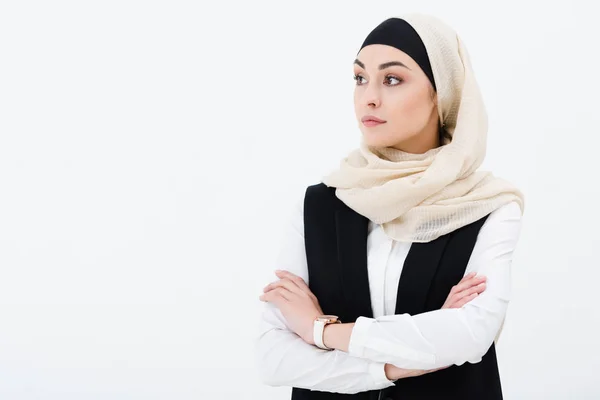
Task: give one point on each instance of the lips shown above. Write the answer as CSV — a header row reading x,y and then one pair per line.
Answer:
x,y
371,120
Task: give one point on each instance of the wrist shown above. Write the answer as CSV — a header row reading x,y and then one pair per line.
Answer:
x,y
337,336
328,336
320,324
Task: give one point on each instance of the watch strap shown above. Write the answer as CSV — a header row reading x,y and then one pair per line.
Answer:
x,y
318,328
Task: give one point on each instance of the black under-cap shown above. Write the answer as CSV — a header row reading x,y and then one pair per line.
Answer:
x,y
398,33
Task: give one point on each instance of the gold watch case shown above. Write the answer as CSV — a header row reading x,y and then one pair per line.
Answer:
x,y
328,319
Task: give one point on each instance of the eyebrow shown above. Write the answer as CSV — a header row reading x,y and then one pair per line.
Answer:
x,y
382,66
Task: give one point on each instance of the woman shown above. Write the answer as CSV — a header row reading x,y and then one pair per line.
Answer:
x,y
395,272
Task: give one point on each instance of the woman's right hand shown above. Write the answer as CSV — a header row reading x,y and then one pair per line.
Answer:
x,y
469,287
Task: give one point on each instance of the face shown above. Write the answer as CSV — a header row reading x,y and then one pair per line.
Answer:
x,y
391,87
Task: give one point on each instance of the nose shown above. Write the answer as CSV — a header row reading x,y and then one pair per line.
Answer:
x,y
372,96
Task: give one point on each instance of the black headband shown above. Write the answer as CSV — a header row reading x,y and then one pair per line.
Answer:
x,y
398,33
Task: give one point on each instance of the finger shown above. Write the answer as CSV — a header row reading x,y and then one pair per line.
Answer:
x,y
456,297
276,295
296,279
270,286
473,280
467,292
293,277
284,283
468,276
465,300
466,283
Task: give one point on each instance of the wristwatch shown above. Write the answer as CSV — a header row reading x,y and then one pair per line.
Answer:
x,y
319,325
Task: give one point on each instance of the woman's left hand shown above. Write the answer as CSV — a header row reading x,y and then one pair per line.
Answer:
x,y
297,303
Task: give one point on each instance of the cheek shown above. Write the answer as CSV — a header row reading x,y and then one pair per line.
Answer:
x,y
357,100
410,107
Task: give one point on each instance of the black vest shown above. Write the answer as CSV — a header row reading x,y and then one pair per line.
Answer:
x,y
336,250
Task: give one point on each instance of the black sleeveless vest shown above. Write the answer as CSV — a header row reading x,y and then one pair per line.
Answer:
x,y
336,250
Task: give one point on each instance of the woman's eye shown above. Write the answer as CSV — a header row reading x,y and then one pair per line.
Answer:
x,y
389,80
392,78
358,78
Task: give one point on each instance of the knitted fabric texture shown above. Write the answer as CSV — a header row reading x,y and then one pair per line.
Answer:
x,y
420,197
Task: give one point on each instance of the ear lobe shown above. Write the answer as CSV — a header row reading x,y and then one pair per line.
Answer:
x,y
434,97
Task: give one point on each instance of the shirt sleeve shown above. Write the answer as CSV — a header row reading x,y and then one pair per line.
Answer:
x,y
285,359
450,336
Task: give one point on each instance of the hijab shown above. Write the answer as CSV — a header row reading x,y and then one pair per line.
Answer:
x,y
420,197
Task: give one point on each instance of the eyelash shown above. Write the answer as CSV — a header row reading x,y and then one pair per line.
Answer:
x,y
357,76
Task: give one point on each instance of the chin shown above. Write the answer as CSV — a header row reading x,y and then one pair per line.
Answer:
x,y
379,140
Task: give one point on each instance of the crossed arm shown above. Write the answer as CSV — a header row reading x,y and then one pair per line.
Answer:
x,y
372,352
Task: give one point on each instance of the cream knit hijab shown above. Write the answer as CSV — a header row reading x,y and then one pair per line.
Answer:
x,y
420,197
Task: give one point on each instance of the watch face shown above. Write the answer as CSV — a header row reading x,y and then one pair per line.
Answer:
x,y
327,318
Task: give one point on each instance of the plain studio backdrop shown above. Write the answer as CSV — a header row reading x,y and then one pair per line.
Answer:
x,y
151,152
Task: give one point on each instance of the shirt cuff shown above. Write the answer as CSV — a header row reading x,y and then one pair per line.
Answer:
x,y
377,372
358,336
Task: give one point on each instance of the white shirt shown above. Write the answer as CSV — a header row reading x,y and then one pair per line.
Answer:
x,y
425,341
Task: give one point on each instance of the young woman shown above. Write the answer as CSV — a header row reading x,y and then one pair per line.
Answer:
x,y
395,269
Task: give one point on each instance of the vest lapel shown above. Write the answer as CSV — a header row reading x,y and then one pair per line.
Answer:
x,y
351,231
417,275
